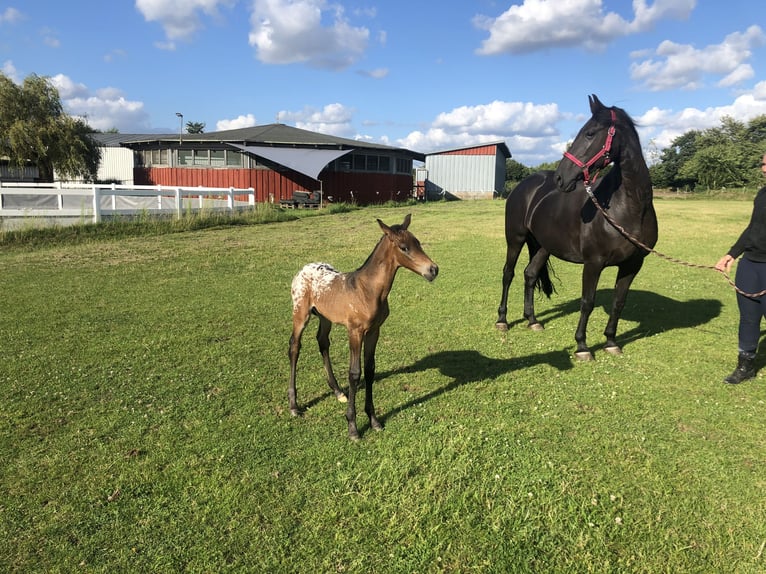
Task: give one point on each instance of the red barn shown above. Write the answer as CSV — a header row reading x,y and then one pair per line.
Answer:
x,y
276,160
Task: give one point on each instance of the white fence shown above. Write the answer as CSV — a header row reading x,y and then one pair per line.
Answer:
x,y
94,202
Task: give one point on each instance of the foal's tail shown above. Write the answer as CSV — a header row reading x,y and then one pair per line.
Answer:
x,y
543,282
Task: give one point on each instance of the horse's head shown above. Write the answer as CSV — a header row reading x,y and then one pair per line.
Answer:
x,y
407,250
596,146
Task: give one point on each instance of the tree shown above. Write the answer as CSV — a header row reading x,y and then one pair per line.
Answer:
x,y
34,128
195,127
515,171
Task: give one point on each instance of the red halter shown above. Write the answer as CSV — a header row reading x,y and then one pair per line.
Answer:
x,y
604,152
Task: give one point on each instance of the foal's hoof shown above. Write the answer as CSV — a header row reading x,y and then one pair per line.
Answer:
x,y
536,327
584,356
616,351
295,412
501,326
341,397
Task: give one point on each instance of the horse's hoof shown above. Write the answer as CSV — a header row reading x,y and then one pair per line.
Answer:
x,y
501,326
376,426
536,327
616,351
584,356
341,398
295,412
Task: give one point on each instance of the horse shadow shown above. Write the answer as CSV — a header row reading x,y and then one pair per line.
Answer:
x,y
469,366
653,313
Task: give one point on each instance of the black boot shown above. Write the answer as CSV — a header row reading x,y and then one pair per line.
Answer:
x,y
745,369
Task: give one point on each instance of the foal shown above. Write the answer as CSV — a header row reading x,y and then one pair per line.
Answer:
x,y
358,300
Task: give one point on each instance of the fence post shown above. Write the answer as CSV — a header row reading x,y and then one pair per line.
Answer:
x,y
178,203
96,205
251,196
230,201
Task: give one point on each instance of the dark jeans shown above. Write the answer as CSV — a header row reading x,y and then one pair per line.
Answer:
x,y
751,278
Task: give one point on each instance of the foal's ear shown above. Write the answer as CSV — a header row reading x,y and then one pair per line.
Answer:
x,y
406,222
386,229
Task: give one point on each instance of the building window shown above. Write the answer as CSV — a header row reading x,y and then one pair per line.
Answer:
x,y
367,162
233,159
185,157
217,158
201,157
403,165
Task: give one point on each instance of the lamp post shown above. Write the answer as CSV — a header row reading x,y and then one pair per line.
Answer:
x,y
181,129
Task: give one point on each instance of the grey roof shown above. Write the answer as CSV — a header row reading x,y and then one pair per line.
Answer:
x,y
277,135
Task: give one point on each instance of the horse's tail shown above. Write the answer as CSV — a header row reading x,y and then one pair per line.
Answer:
x,y
543,282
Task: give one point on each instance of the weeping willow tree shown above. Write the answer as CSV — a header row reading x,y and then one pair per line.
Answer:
x,y
34,129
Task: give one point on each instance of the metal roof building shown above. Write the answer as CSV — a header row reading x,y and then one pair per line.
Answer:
x,y
471,172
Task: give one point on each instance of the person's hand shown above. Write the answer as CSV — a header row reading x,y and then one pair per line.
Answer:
x,y
724,263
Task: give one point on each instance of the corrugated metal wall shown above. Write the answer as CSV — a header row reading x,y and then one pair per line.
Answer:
x,y
116,165
463,175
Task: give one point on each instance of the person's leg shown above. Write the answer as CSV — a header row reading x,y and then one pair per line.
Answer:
x,y
748,280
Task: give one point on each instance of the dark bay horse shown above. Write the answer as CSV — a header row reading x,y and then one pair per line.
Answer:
x,y
553,214
358,300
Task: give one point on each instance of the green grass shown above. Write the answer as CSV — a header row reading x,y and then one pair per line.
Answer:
x,y
144,424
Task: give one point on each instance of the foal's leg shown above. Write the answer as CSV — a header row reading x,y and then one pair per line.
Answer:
x,y
590,276
626,272
301,318
537,261
354,375
370,343
323,338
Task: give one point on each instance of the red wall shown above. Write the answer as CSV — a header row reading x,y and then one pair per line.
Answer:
x,y
269,185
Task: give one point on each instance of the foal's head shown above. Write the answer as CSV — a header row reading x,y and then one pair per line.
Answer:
x,y
407,251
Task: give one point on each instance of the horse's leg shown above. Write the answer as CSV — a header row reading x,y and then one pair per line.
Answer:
x,y
354,375
301,316
590,276
626,272
323,338
370,343
511,257
538,259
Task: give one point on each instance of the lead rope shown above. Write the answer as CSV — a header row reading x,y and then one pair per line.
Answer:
x,y
648,249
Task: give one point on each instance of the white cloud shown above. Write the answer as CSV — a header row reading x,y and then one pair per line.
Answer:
x,y
10,71
529,129
291,31
376,74
67,88
246,121
10,16
180,19
333,119
683,66
103,110
544,24
663,126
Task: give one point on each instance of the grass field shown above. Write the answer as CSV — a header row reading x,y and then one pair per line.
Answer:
x,y
144,423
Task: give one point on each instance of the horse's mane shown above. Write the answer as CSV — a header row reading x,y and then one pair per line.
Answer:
x,y
603,115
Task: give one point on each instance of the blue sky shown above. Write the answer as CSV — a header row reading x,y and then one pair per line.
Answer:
x,y
425,75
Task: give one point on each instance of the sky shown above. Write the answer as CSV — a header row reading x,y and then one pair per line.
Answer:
x,y
425,75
